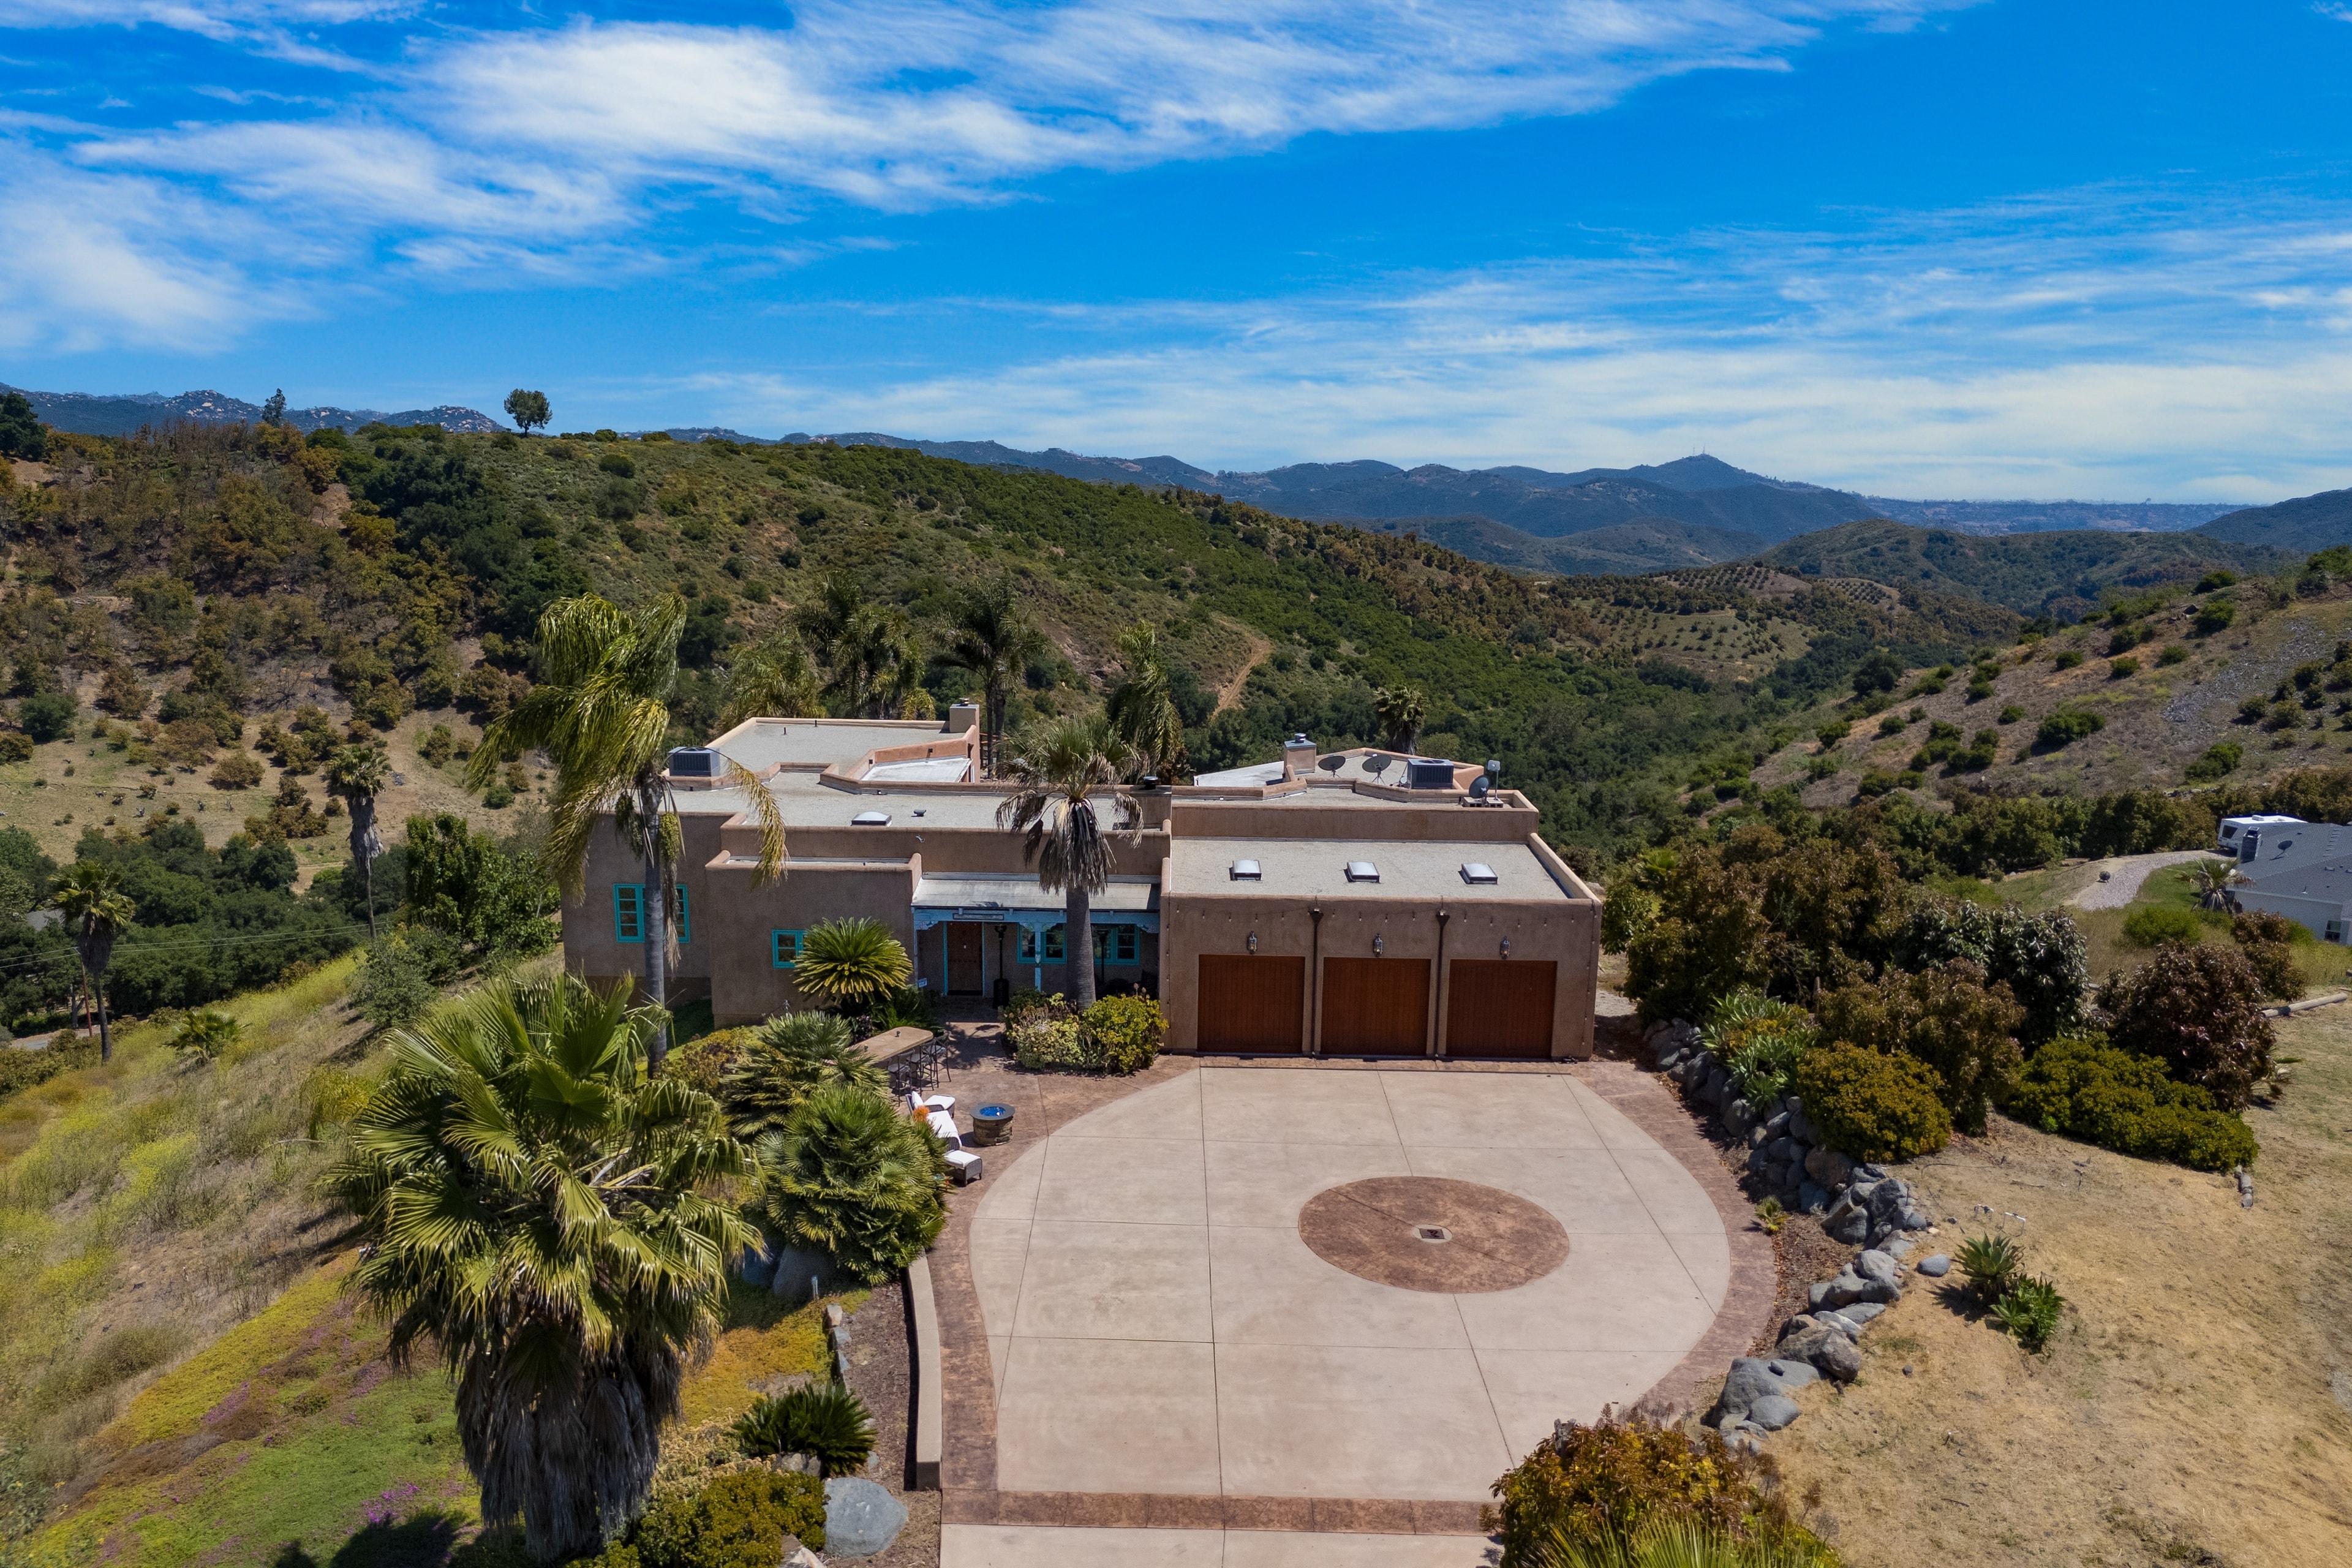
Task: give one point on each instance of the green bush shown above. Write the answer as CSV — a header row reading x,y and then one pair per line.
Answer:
x,y
49,716
2029,1313
2268,940
1605,1484
1049,1039
785,1063
739,1521
828,1424
851,1177
2220,761
704,1062
1990,1264
1124,1033
2122,669
2198,1011
2065,727
2173,653
2153,923
64,1053
2083,1088
2010,714
1759,1040
2215,616
2068,657
1873,1107
1947,1017
2040,957
402,975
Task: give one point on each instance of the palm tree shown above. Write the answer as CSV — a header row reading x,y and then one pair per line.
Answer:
x,y
1400,712
995,638
206,1034
90,895
855,1180
851,962
871,662
774,677
601,710
786,1062
1058,775
1140,709
550,1217
358,772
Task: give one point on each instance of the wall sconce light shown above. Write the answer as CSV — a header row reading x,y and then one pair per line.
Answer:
x,y
1507,947
1377,943
1253,942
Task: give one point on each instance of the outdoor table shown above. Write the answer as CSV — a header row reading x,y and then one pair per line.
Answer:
x,y
891,1044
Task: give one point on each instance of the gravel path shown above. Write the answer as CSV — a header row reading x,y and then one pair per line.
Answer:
x,y
2125,875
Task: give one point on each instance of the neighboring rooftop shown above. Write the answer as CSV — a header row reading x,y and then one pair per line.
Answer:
x,y
760,744
1296,868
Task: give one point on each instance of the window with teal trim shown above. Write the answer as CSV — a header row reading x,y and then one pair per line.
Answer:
x,y
784,947
1052,946
1114,944
628,912
685,924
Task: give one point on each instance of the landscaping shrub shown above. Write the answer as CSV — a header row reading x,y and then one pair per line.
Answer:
x,y
2152,924
1598,1486
785,1063
1870,1106
2083,1088
703,1062
1990,1264
2220,760
2198,1010
2029,1313
2268,940
25,1069
1049,1038
402,975
2065,727
827,1423
1758,1041
908,1007
739,1521
1025,1002
1124,1033
851,963
851,1177
1947,1018
2040,957
205,1034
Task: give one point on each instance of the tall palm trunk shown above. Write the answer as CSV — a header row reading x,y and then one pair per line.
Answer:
x,y
657,948
366,845
1079,943
105,1030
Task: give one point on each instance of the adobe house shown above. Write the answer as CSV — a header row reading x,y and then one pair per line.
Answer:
x,y
1360,904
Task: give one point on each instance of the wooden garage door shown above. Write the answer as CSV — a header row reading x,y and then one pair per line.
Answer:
x,y
1500,1008
1251,1004
1375,1006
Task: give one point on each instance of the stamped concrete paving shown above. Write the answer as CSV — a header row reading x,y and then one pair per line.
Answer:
x,y
1156,1325
1022,1546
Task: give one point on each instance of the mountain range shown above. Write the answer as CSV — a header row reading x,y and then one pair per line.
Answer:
x,y
1693,511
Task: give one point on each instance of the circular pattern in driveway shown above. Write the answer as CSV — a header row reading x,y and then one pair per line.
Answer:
x,y
1430,1233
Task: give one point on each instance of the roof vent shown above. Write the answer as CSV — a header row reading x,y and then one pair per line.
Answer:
x,y
870,819
1477,872
1245,871
1362,871
1428,773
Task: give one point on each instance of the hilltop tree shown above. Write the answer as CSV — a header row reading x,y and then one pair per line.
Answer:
x,y
529,410
774,677
995,638
1400,712
21,434
358,774
601,711
274,411
1140,708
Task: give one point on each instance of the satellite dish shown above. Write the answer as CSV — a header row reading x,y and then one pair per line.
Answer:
x,y
1378,763
1332,763
1479,786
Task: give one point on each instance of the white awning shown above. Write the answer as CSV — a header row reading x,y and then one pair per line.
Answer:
x,y
1019,901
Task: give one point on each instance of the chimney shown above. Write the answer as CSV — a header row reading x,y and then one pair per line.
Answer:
x,y
1297,758
961,717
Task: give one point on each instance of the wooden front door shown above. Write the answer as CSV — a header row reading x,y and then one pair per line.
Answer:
x,y
1251,1004
1499,1007
963,958
1375,1006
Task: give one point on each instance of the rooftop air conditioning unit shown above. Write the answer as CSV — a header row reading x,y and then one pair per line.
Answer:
x,y
694,763
1429,772
1362,871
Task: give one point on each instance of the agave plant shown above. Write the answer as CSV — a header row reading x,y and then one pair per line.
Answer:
x,y
826,1422
848,963
2028,1311
1673,1540
1992,1264
1759,1040
786,1061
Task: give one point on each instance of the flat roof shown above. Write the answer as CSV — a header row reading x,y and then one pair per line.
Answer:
x,y
758,743
1298,868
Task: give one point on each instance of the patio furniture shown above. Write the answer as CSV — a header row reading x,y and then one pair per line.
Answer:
x,y
939,1102
990,1123
963,1167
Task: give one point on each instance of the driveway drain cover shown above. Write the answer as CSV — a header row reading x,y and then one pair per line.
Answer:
x,y
1430,1233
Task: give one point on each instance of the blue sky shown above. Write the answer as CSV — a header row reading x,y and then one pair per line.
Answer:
x,y
2015,247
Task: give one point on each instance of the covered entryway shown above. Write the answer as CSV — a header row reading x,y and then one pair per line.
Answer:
x,y
964,959
1252,1003
1375,1006
1499,1007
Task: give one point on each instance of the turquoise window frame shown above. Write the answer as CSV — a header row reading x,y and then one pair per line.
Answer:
x,y
1057,948
1115,944
628,913
776,948
685,923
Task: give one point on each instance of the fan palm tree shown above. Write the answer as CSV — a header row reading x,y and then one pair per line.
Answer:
x,y
550,1220
601,710
854,1179
787,1062
1060,775
850,963
1400,712
868,651
995,638
772,677
1140,709
358,772
89,894
205,1034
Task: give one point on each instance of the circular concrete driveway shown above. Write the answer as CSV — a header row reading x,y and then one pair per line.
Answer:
x,y
1155,1323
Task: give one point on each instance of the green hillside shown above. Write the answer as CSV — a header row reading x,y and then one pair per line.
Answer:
x,y
2307,524
393,578
1645,544
2060,575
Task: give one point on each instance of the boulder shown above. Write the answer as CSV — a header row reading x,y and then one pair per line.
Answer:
x,y
860,1518
1849,1287
1935,1267
1913,1217
1847,1220
1719,1083
1887,1202
1873,1172
1670,1059
1831,1351
1737,1115
1757,1164
1800,1128
1773,1412
1776,1122
1778,1149
1758,1137
1878,1266
1829,1168
1754,1378
1899,1249
1860,1312
1776,1175
1811,1198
